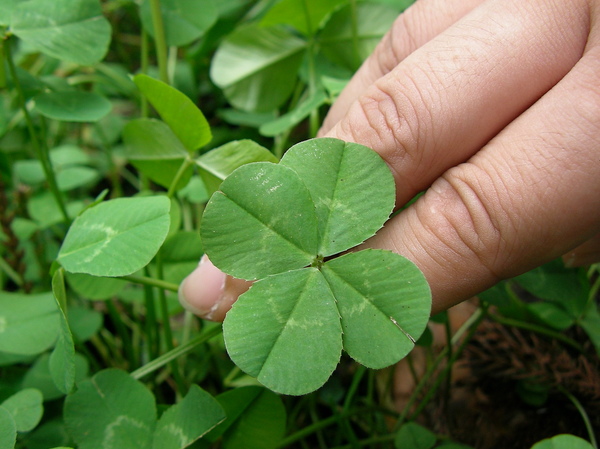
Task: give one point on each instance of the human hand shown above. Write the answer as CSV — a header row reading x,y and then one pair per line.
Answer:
x,y
493,107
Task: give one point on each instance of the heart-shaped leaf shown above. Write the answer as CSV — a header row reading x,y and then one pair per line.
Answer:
x,y
270,222
26,408
73,106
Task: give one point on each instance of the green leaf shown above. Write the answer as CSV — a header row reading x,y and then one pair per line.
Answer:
x,y
62,359
414,436
291,323
93,287
29,324
151,139
6,9
26,408
563,442
71,30
222,161
117,237
551,314
195,191
256,419
111,410
351,186
184,21
257,67
8,430
73,106
45,211
305,16
84,322
266,212
347,46
39,377
383,299
190,419
295,116
177,110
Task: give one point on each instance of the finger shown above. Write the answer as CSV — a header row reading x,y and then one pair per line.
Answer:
x,y
418,24
210,293
530,195
447,99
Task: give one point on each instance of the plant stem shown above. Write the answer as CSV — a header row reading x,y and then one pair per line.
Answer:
x,y
12,274
187,162
40,148
174,353
160,40
151,282
583,413
537,329
122,330
144,69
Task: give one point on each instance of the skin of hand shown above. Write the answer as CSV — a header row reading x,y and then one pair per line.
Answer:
x,y
493,108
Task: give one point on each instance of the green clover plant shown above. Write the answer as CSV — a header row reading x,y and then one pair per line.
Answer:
x,y
281,225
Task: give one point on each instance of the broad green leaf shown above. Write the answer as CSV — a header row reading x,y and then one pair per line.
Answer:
x,y
351,186
39,377
185,422
71,30
222,161
62,359
151,139
93,287
305,16
564,441
29,324
26,408
184,21
164,171
29,171
590,323
180,255
6,9
261,222
384,301
195,191
117,237
551,314
414,436
256,419
84,322
347,41
68,156
111,410
73,106
285,331
71,178
179,112
8,429
43,209
49,434
295,116
257,67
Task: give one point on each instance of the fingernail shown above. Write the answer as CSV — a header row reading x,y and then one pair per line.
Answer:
x,y
202,291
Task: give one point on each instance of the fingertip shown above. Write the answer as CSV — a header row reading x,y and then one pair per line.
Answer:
x,y
202,290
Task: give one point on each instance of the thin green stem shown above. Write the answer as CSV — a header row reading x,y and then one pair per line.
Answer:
x,y
38,146
122,330
187,163
354,24
144,280
537,329
10,272
584,415
144,69
174,353
160,40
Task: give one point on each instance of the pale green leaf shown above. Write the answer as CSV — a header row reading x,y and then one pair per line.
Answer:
x,y
222,161
564,441
94,287
111,410
183,423
62,359
261,222
8,429
414,436
72,106
295,116
117,237
151,139
71,30
286,332
38,376
384,301
305,16
29,324
179,112
26,408
184,20
351,186
256,67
